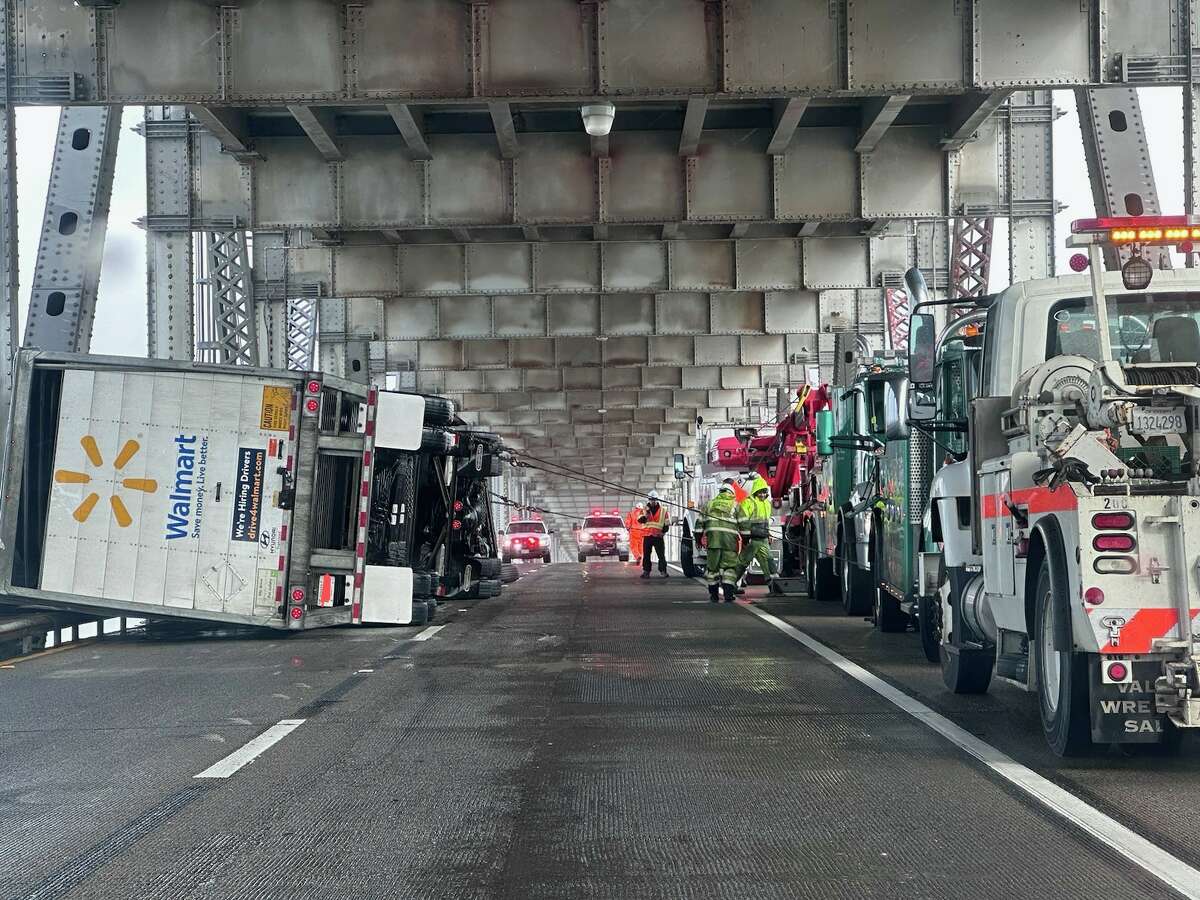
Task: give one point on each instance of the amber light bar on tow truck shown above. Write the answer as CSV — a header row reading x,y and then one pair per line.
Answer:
x,y
1140,229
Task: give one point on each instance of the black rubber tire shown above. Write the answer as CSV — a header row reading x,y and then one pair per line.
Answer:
x,y
488,587
439,410
826,578
422,584
1066,717
687,560
420,613
623,557
430,610
488,568
505,558
509,573
546,558
436,441
855,583
582,557
808,557
929,613
397,554
889,617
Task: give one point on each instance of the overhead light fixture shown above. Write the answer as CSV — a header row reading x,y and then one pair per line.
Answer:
x,y
598,118
602,410
1137,273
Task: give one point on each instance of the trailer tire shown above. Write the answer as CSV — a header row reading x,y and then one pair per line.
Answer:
x,y
929,612
430,609
856,584
1062,676
488,587
889,617
509,573
488,568
439,411
420,613
436,441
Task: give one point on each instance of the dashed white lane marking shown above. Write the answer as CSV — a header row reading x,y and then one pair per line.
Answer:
x,y
1169,869
427,633
250,751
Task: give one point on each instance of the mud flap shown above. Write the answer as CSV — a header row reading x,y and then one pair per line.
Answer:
x,y
1124,713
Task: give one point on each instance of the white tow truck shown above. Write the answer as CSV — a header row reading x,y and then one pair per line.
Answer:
x,y
289,500
1070,535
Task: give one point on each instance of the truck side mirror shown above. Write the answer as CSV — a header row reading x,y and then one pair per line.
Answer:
x,y
825,432
921,405
680,466
922,349
895,409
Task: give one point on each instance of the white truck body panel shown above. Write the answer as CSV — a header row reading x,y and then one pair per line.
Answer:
x,y
162,492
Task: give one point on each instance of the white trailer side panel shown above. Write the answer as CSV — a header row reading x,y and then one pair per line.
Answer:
x,y
164,489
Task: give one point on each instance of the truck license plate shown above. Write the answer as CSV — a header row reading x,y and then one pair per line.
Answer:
x,y
1164,420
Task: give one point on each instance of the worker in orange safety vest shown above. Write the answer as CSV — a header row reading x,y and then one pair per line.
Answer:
x,y
636,533
654,520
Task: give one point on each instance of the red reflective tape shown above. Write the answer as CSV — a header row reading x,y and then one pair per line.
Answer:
x,y
355,611
366,459
278,594
280,562
366,488
295,399
291,461
283,529
1138,634
291,432
361,549
370,429
325,595
1035,500
362,520
358,579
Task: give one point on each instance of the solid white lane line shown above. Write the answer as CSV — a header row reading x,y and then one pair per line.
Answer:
x,y
427,633
250,751
1169,869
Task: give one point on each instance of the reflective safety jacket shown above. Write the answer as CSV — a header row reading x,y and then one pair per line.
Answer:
x,y
655,522
755,510
721,522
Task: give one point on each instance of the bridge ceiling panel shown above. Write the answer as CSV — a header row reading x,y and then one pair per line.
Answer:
x,y
258,38
380,186
417,47
879,59
904,176
1033,42
637,60
797,46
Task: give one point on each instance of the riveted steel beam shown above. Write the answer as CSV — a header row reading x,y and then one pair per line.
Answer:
x,y
408,121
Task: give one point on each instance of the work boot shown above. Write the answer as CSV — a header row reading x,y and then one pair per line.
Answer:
x,y
713,596
664,574
730,592
645,574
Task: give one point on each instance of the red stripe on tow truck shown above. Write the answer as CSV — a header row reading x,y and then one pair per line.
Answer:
x,y
1138,634
1035,500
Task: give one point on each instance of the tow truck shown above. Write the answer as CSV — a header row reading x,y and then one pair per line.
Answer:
x,y
1070,533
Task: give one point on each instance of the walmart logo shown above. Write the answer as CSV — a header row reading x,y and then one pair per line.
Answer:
x,y
116,482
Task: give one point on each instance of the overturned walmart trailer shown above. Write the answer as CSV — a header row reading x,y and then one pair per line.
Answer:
x,y
254,496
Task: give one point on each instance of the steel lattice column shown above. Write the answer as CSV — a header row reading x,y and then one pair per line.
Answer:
x,y
1118,160
971,256
228,332
62,303
301,334
8,211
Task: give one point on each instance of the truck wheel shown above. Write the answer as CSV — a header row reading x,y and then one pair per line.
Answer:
x,y
965,669
827,583
582,557
439,410
509,574
929,611
489,587
422,585
889,618
687,560
1062,678
488,568
856,585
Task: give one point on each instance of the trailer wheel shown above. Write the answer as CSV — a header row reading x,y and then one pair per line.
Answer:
x,y
856,584
1062,677
889,618
488,587
488,568
422,584
439,411
930,612
509,573
420,613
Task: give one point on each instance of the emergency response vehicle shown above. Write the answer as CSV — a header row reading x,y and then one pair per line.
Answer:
x,y
282,499
1070,534
603,534
526,539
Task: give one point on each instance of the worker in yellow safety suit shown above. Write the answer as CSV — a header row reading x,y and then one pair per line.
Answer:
x,y
756,528
720,524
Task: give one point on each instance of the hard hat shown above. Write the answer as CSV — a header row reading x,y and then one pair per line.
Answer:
x,y
653,495
728,486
